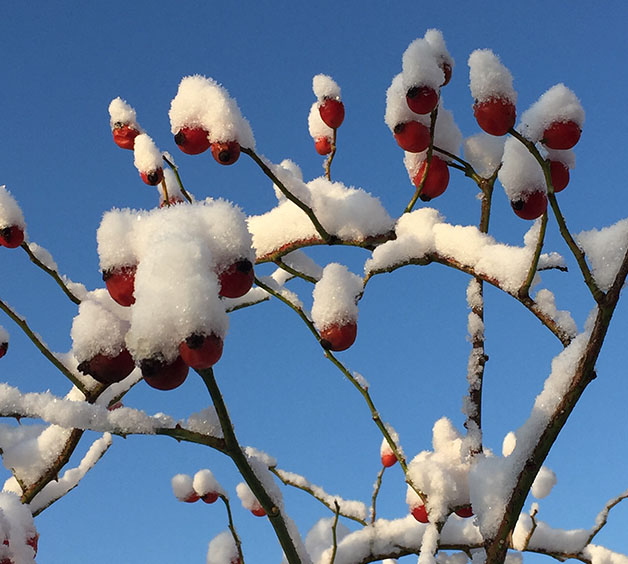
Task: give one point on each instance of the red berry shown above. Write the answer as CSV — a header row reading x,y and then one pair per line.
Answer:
x,y
389,459
163,375
192,140
226,153
3,349
323,145
11,236
412,136
560,175
332,112
192,497
464,512
436,180
124,135
258,511
420,514
200,351
153,177
107,369
561,135
422,99
209,497
446,68
495,115
237,279
120,283
531,205
339,337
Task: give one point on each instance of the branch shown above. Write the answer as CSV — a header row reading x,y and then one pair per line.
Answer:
x,y
602,517
378,484
534,264
175,169
234,533
333,533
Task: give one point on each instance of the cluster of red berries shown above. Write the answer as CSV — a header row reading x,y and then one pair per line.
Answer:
x,y
419,512
332,112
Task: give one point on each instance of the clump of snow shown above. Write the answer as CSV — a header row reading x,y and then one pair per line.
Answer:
x,y
43,256
122,113
509,443
325,86
205,422
605,249
558,104
384,448
420,66
16,528
437,42
520,172
247,497
484,153
115,236
489,78
147,157
543,483
546,303
397,110
4,335
222,549
290,167
335,297
566,157
319,538
201,101
602,555
316,126
10,211
204,482
182,486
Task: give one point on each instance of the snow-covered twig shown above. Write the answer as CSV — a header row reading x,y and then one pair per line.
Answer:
x,y
602,516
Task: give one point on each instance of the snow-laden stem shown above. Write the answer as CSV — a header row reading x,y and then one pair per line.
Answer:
x,y
329,239
235,452
175,169
584,373
232,529
534,264
331,156
21,323
296,273
378,485
577,252
430,150
602,517
51,272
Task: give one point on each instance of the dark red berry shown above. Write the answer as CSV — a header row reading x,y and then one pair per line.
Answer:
x,y
120,283
561,135
237,279
560,175
11,236
412,136
153,177
107,369
192,140
323,145
163,375
201,351
339,337
422,99
436,180
124,135
530,205
495,115
332,112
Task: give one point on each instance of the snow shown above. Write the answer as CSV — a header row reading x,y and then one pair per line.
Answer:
x,y
16,526
319,538
205,422
316,126
437,42
121,112
420,66
246,496
222,549
543,483
324,86
558,104
43,256
204,482
605,249
546,303
520,172
484,153
4,335
602,555
335,297
489,78
114,236
397,110
10,211
182,486
147,157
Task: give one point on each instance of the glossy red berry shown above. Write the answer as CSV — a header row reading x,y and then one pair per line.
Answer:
x,y
120,283
323,145
107,369
560,175
192,140
422,99
464,512
11,236
153,177
237,279
258,511
163,375
561,135
389,459
332,112
339,337
531,205
420,514
412,136
201,351
495,115
436,180
4,347
192,497
209,497
124,135
226,153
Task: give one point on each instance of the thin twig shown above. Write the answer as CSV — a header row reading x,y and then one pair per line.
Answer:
x,y
534,263
298,274
231,525
378,484
175,169
331,156
602,517
334,536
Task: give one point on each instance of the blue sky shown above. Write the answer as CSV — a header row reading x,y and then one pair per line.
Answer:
x,y
62,64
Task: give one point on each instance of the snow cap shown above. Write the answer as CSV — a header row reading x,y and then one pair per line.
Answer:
x,y
204,483
437,42
520,172
420,66
489,78
147,157
335,297
10,211
121,112
325,87
397,110
222,549
484,153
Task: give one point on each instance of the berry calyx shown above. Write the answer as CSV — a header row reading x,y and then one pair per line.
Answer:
x,y
237,279
389,459
226,153
412,136
120,282
11,236
338,337
561,135
531,205
124,135
163,375
209,497
495,115
332,112
422,99
436,178
4,347
201,351
153,177
420,514
108,369
464,512
323,145
192,140
560,175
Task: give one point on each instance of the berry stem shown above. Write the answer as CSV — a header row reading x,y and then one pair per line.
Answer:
x,y
232,529
376,487
331,156
175,169
534,264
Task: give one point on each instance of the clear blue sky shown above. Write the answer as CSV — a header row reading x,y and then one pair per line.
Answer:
x,y
62,63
